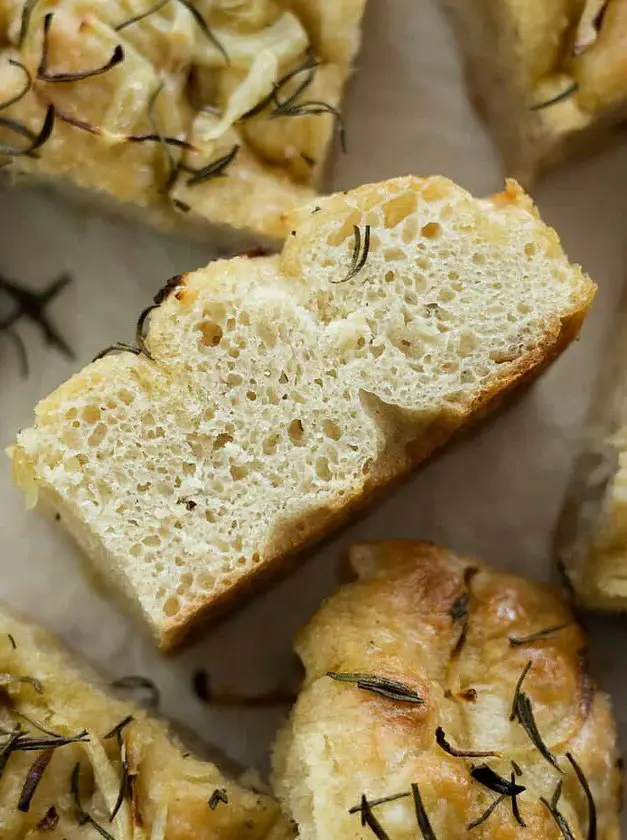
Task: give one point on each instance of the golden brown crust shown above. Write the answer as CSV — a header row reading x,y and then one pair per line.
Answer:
x,y
441,625
167,786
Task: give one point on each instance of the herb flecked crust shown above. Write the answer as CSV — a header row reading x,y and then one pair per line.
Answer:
x,y
510,734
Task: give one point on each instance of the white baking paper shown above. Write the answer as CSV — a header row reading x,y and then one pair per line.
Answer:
x,y
495,494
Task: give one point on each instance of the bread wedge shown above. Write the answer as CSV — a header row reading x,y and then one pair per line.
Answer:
x,y
67,745
550,79
591,536
274,395
404,725
203,116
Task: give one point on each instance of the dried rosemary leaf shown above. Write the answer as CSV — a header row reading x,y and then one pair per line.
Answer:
x,y
517,641
391,689
372,803
33,777
421,815
487,813
216,169
368,819
45,75
592,810
490,779
360,255
571,90
442,742
219,795
82,817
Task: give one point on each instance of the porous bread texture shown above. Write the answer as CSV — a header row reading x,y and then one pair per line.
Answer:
x,y
519,56
171,789
440,625
280,395
174,82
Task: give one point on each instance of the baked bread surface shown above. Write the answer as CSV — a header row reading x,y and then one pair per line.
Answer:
x,y
549,78
190,74
591,536
279,393
168,799
440,625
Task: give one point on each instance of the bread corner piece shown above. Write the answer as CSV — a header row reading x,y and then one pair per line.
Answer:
x,y
274,395
74,755
591,537
549,78
412,673
201,115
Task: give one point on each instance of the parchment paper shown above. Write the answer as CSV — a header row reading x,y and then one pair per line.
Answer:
x,y
495,494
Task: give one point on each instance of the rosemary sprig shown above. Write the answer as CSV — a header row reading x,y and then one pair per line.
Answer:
x,y
27,10
459,608
33,777
487,813
9,679
524,715
313,107
44,75
82,817
99,131
490,779
37,140
443,742
202,24
558,817
421,815
368,818
120,347
391,689
198,18
139,684
560,97
519,683
117,729
28,83
374,802
138,18
515,807
517,641
219,795
171,164
215,169
592,810
309,65
360,255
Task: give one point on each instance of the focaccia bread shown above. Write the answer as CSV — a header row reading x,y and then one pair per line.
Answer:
x,y
187,111
444,699
591,537
71,755
273,395
550,78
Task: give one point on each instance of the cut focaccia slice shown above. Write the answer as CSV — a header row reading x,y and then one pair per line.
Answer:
x,y
274,395
77,762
